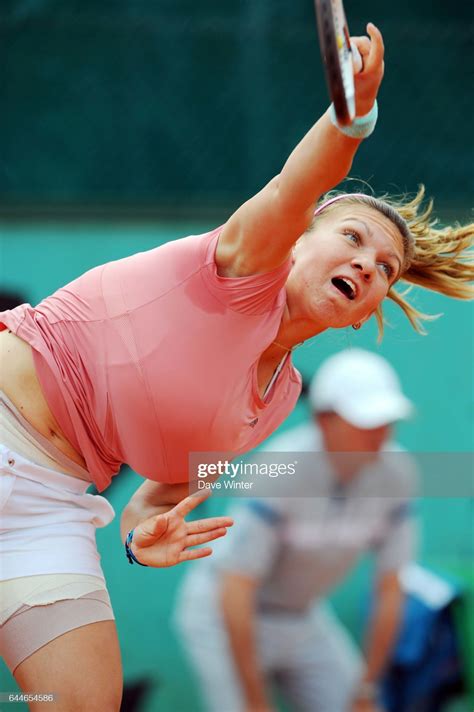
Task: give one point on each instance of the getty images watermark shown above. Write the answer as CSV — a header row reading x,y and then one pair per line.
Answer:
x,y
239,475
395,474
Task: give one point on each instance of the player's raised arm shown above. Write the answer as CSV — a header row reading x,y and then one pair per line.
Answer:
x,y
261,232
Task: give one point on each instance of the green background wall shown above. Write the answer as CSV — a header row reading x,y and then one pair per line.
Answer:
x,y
172,102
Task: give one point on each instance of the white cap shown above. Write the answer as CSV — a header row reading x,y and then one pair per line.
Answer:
x,y
361,387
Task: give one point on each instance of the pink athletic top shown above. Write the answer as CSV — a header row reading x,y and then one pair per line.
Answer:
x,y
151,357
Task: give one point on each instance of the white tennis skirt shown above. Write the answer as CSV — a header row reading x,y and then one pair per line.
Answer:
x,y
47,520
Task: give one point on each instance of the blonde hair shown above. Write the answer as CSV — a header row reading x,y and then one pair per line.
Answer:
x,y
435,258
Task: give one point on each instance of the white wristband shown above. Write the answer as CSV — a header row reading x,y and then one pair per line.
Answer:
x,y
361,127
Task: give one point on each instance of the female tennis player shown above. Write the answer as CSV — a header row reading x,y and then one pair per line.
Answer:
x,y
184,348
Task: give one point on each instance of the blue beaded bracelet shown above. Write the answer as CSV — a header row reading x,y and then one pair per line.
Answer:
x,y
130,555
361,126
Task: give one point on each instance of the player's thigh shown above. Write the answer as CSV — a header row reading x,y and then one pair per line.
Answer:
x,y
82,667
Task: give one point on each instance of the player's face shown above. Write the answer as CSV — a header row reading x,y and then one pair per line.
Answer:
x,y
344,267
342,436
351,448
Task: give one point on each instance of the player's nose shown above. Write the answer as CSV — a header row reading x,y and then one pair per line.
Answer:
x,y
365,265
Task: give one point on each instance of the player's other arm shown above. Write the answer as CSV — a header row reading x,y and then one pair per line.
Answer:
x,y
161,534
149,499
238,597
382,632
260,234
396,549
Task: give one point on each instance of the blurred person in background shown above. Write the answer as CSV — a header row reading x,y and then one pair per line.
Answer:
x,y
255,614
183,348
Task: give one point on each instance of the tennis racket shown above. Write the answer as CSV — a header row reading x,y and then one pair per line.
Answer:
x,y
338,57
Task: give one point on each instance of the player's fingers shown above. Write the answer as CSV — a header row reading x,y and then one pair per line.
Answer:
x,y
189,503
205,525
357,61
196,539
195,554
146,533
377,49
362,44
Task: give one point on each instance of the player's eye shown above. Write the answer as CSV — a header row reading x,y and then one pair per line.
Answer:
x,y
387,269
353,235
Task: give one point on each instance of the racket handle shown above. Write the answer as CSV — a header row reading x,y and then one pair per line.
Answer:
x,y
357,61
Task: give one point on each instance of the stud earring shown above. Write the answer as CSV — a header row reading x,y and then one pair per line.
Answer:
x,y
357,325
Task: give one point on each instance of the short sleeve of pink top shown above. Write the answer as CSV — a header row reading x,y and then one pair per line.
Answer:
x,y
154,356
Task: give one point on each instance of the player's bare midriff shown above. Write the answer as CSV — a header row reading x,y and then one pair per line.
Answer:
x,y
18,380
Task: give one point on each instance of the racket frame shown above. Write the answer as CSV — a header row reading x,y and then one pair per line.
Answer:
x,y
336,53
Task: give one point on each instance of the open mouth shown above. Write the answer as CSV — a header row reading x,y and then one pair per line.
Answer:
x,y
345,286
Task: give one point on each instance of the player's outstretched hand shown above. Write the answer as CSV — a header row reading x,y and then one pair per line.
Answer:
x,y
165,539
368,80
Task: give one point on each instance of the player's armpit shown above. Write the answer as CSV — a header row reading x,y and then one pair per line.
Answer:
x,y
259,235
